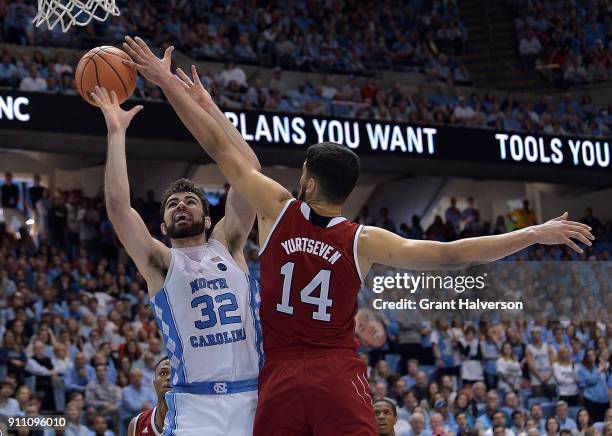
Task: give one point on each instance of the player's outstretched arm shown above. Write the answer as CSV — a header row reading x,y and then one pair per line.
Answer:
x,y
381,246
148,254
267,196
234,228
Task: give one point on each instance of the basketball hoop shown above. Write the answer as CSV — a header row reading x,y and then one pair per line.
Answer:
x,y
73,12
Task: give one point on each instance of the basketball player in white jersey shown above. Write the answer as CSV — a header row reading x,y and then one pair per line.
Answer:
x,y
204,302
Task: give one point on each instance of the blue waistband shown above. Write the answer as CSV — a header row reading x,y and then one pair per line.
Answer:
x,y
217,388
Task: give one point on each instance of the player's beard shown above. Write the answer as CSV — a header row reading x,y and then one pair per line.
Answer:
x,y
194,229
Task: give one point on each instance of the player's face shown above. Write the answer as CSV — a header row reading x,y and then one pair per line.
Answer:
x,y
385,419
162,378
184,216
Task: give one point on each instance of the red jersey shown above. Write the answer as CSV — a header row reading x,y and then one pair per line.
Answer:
x,y
309,282
145,424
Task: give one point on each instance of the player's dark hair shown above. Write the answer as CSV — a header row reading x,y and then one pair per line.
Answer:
x,y
335,167
388,401
184,185
160,361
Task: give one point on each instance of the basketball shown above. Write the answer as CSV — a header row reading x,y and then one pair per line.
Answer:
x,y
103,66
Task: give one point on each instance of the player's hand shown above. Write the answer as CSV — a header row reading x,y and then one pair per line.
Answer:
x,y
144,60
562,231
194,87
117,120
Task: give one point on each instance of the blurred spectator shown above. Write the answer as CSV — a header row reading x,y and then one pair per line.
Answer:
x,y
540,356
529,46
523,217
135,397
591,379
384,221
33,81
74,426
102,395
561,414
233,74
471,218
590,220
9,199
8,406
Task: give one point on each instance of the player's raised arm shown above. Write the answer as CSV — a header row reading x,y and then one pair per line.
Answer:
x,y
148,254
381,246
234,228
267,196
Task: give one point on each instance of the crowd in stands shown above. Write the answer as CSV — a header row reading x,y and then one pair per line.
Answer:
x,y
74,321
568,41
354,36
363,98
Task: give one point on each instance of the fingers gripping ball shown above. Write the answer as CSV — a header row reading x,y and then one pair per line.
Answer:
x,y
103,66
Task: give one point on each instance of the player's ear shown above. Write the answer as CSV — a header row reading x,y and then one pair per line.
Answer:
x,y
207,223
163,229
311,185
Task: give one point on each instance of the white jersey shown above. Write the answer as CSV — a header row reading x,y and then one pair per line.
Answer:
x,y
208,313
541,359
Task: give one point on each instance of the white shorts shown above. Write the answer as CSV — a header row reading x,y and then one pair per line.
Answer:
x,y
210,415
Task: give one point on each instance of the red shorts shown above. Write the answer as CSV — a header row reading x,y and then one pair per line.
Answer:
x,y
319,395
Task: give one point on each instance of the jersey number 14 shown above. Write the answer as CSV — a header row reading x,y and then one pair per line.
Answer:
x,y
322,302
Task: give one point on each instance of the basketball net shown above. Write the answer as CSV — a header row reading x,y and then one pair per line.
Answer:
x,y
73,12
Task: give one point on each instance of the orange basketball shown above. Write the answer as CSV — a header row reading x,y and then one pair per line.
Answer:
x,y
103,66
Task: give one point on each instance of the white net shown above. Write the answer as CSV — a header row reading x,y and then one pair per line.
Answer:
x,y
69,13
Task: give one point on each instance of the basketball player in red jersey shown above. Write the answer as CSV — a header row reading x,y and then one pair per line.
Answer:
x,y
312,264
151,421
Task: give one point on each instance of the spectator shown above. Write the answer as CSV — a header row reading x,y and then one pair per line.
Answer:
x,y
590,220
471,357
417,425
135,397
102,395
463,113
8,71
540,356
487,419
80,374
552,427
33,82
471,218
518,423
233,73
41,367
384,221
584,425
498,426
537,414
452,215
9,194
13,356
565,378
509,370
8,406
74,426
523,217
530,46
591,379
561,413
